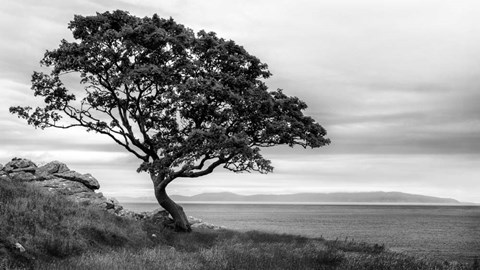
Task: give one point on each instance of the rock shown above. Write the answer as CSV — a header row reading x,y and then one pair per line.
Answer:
x,y
57,178
113,206
91,198
62,186
19,247
198,223
52,167
132,215
86,179
4,177
193,220
3,174
110,205
17,163
22,176
205,225
26,169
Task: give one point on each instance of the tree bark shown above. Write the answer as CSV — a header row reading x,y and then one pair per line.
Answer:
x,y
181,223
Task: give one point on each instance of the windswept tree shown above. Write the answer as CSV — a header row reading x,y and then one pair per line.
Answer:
x,y
182,103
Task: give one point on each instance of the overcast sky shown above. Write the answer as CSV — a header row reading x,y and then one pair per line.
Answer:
x,y
395,83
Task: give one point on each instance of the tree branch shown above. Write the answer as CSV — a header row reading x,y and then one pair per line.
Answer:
x,y
209,169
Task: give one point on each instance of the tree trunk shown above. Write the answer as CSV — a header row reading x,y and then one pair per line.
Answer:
x,y
181,223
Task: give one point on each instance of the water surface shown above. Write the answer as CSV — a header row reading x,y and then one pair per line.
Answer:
x,y
439,231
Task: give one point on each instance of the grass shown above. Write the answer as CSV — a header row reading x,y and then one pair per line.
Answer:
x,y
59,234
51,227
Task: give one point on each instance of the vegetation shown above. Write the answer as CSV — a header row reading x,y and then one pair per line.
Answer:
x,y
60,234
49,226
182,103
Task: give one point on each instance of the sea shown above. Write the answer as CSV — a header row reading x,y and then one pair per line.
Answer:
x,y
443,232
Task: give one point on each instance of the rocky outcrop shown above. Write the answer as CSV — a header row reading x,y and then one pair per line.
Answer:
x,y
56,177
198,223
87,179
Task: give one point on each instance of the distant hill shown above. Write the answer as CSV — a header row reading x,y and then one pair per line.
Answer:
x,y
339,197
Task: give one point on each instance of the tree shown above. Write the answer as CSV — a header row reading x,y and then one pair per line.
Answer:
x,y
183,103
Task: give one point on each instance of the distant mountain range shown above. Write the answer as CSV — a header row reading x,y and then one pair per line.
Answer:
x,y
339,197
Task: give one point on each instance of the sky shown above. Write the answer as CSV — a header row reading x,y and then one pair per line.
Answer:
x,y
395,83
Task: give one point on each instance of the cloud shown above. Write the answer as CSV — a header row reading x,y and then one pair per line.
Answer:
x,y
394,82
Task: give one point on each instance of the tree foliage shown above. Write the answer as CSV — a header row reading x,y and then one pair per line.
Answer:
x,y
183,103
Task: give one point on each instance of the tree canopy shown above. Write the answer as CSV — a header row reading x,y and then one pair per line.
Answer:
x,y
181,102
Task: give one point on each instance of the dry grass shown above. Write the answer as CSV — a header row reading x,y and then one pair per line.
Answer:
x,y
49,226
59,234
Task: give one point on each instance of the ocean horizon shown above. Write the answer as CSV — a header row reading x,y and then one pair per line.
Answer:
x,y
440,231
153,203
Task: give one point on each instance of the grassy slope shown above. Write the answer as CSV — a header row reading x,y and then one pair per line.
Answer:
x,y
59,234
